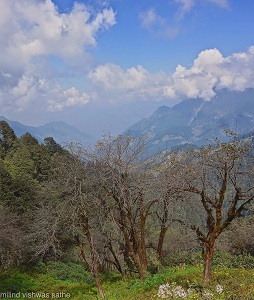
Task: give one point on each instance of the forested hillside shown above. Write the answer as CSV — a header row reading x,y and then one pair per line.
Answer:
x,y
111,213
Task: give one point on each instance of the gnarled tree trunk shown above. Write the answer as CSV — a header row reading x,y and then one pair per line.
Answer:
x,y
208,252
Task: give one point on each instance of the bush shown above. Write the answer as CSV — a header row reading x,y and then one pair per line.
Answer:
x,y
68,271
16,282
224,259
183,258
220,259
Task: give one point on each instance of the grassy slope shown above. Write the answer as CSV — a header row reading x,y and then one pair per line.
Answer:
x,y
70,278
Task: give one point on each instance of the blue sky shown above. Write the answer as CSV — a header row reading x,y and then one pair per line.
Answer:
x,y
103,65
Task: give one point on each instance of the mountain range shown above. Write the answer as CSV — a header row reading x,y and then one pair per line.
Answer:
x,y
191,122
60,131
196,121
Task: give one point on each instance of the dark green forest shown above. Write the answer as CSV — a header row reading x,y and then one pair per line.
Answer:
x,y
89,222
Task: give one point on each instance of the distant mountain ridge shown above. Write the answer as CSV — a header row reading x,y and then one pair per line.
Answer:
x,y
60,131
197,122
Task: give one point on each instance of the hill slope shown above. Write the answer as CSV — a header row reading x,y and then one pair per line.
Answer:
x,y
198,122
60,131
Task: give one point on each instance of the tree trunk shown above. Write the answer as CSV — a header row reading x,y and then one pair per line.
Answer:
x,y
130,242
143,258
98,284
161,240
138,266
164,227
116,260
208,251
94,264
93,267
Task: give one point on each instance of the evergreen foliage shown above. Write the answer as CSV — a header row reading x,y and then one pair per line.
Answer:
x,y
7,138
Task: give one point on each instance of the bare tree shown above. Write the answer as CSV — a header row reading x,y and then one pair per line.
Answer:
x,y
118,164
169,197
222,178
100,189
10,238
72,214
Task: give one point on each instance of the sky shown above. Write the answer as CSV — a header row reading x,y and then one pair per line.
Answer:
x,y
104,65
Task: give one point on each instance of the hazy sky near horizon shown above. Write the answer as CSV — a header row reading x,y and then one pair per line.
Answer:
x,y
103,65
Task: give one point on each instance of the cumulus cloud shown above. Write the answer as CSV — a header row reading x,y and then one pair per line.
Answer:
x,y
113,77
37,28
134,83
210,72
70,97
20,92
33,32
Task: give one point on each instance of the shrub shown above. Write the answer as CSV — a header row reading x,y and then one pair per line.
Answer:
x,y
68,271
191,259
224,259
15,282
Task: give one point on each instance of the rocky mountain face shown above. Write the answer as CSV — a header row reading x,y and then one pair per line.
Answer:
x,y
60,131
197,122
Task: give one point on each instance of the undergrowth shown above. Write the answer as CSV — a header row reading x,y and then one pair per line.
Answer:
x,y
73,279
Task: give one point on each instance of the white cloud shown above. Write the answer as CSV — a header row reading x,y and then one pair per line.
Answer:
x,y
135,83
20,92
32,32
37,28
113,77
70,97
210,72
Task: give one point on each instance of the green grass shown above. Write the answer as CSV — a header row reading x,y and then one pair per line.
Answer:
x,y
56,277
